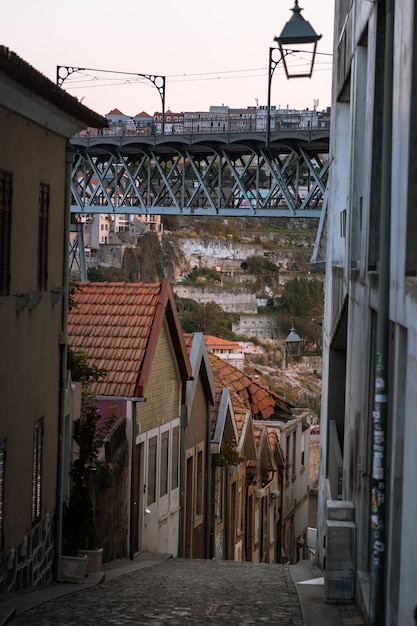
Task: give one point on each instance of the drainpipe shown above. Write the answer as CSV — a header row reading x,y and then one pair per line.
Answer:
x,y
133,499
207,504
227,514
380,413
63,369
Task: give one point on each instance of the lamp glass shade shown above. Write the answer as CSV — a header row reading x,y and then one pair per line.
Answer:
x,y
297,31
293,343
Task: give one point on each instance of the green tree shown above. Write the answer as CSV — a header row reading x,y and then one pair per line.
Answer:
x,y
205,275
301,305
302,297
208,318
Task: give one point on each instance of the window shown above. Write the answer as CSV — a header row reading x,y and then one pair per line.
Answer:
x,y
37,472
6,192
43,236
152,449
294,450
240,505
2,490
175,452
199,484
287,465
163,478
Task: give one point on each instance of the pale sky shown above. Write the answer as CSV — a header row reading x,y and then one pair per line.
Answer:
x,y
211,53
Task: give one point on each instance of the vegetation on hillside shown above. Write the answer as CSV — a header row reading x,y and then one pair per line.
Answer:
x,y
208,318
203,275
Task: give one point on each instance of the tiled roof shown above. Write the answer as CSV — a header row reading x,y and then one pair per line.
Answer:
x,y
261,401
216,343
115,112
23,73
117,325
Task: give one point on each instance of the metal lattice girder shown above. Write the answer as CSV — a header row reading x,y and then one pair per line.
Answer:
x,y
230,174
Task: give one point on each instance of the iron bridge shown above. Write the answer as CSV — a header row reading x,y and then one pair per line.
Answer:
x,y
224,174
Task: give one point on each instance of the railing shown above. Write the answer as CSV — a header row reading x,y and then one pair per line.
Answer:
x,y
215,124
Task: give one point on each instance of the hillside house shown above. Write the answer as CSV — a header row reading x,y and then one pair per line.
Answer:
x,y
133,331
195,538
230,351
275,521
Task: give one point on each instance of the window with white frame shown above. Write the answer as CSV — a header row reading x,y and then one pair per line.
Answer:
x,y
175,457
152,452
163,474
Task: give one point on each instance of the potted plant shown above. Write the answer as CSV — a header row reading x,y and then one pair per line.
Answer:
x,y
87,470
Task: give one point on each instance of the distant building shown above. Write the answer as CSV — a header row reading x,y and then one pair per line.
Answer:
x,y
229,351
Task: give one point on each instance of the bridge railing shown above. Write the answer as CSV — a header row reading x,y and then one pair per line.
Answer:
x,y
214,124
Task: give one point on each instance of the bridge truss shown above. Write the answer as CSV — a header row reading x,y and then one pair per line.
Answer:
x,y
235,174
226,175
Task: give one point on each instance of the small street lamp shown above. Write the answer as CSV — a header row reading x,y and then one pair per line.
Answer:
x,y
293,343
296,31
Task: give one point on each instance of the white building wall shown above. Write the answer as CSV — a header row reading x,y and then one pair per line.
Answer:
x,y
356,146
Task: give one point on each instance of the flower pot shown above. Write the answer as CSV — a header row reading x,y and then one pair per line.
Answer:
x,y
94,558
73,569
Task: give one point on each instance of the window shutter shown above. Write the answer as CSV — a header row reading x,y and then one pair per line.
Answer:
x,y
6,192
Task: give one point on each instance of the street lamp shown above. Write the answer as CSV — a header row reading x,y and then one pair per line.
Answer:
x,y
293,343
296,31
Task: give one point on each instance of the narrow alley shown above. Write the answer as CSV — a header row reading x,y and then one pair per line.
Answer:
x,y
163,590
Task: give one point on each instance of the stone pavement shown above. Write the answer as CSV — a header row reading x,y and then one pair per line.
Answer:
x,y
159,590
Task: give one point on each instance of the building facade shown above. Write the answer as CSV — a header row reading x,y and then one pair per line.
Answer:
x,y
368,426
36,121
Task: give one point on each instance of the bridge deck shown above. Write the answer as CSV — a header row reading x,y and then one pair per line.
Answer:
x,y
217,173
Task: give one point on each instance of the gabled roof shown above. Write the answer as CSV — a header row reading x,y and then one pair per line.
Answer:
x,y
260,400
118,325
33,82
223,425
200,364
115,112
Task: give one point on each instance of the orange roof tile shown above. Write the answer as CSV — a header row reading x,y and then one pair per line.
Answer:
x,y
218,343
114,324
260,400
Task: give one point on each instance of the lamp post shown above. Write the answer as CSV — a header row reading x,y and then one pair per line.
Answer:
x,y
293,343
296,31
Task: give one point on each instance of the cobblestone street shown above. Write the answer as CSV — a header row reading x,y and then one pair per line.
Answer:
x,y
178,592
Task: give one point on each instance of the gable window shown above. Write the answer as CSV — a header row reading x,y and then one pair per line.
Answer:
x,y
152,449
2,491
43,215
6,192
37,471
